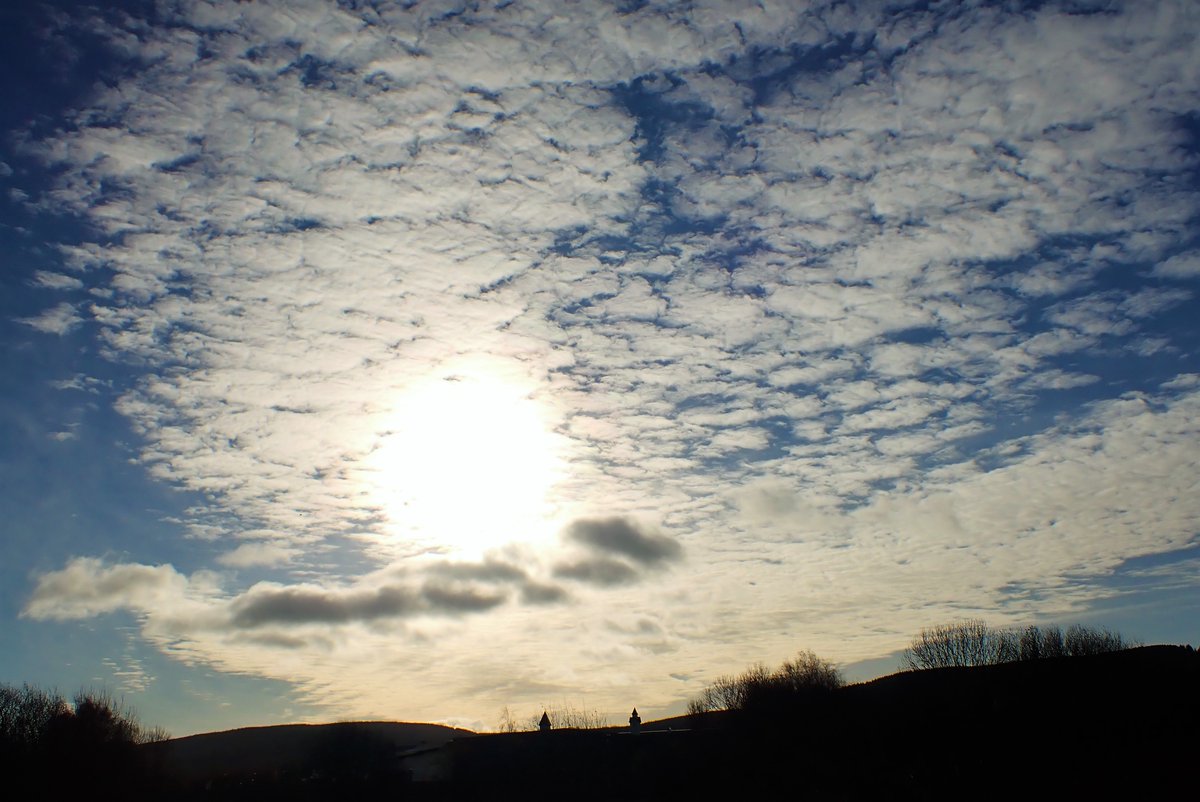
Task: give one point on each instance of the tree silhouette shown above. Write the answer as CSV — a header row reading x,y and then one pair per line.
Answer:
x,y
973,643
52,748
758,689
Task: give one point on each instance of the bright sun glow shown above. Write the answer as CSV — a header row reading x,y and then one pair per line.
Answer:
x,y
466,464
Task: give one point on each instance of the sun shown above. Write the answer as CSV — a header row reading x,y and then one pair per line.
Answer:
x,y
466,463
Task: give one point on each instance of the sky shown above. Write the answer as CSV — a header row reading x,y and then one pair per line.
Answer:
x,y
416,360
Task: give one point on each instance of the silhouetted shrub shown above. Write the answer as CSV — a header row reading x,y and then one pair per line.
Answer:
x,y
57,749
967,643
807,672
758,689
1084,641
25,715
973,643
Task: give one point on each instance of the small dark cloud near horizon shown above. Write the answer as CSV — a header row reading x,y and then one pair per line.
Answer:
x,y
625,538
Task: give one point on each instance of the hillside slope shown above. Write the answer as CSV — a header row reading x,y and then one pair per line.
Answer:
x,y
1124,723
293,749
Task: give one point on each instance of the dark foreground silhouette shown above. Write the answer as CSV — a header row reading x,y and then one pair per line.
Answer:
x,y
1107,725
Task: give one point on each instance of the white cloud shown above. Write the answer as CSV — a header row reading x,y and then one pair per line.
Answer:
x,y
56,281
1179,266
252,554
87,587
60,320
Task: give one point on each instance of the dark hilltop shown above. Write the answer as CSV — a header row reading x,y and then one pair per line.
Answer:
x,y
1118,723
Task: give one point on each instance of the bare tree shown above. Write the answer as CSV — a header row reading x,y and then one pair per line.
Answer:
x,y
508,722
1082,641
730,692
973,643
89,745
25,714
808,672
563,716
965,643
759,688
568,717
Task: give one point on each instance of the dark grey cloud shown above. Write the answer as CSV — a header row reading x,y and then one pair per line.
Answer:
x,y
447,588
460,599
309,605
622,536
493,572
597,571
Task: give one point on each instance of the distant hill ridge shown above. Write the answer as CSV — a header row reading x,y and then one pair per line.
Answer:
x,y
1116,723
273,749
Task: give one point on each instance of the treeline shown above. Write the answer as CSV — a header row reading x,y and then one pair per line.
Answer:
x,y
809,678
974,643
53,746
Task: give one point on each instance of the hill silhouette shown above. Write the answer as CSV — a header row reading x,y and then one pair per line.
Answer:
x,y
275,750
295,761
1118,723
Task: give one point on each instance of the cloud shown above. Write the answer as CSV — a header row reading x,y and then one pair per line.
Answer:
x,y
56,281
540,593
597,571
60,320
252,554
623,537
272,604
496,573
452,599
86,587
489,569
1180,266
517,197
441,588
